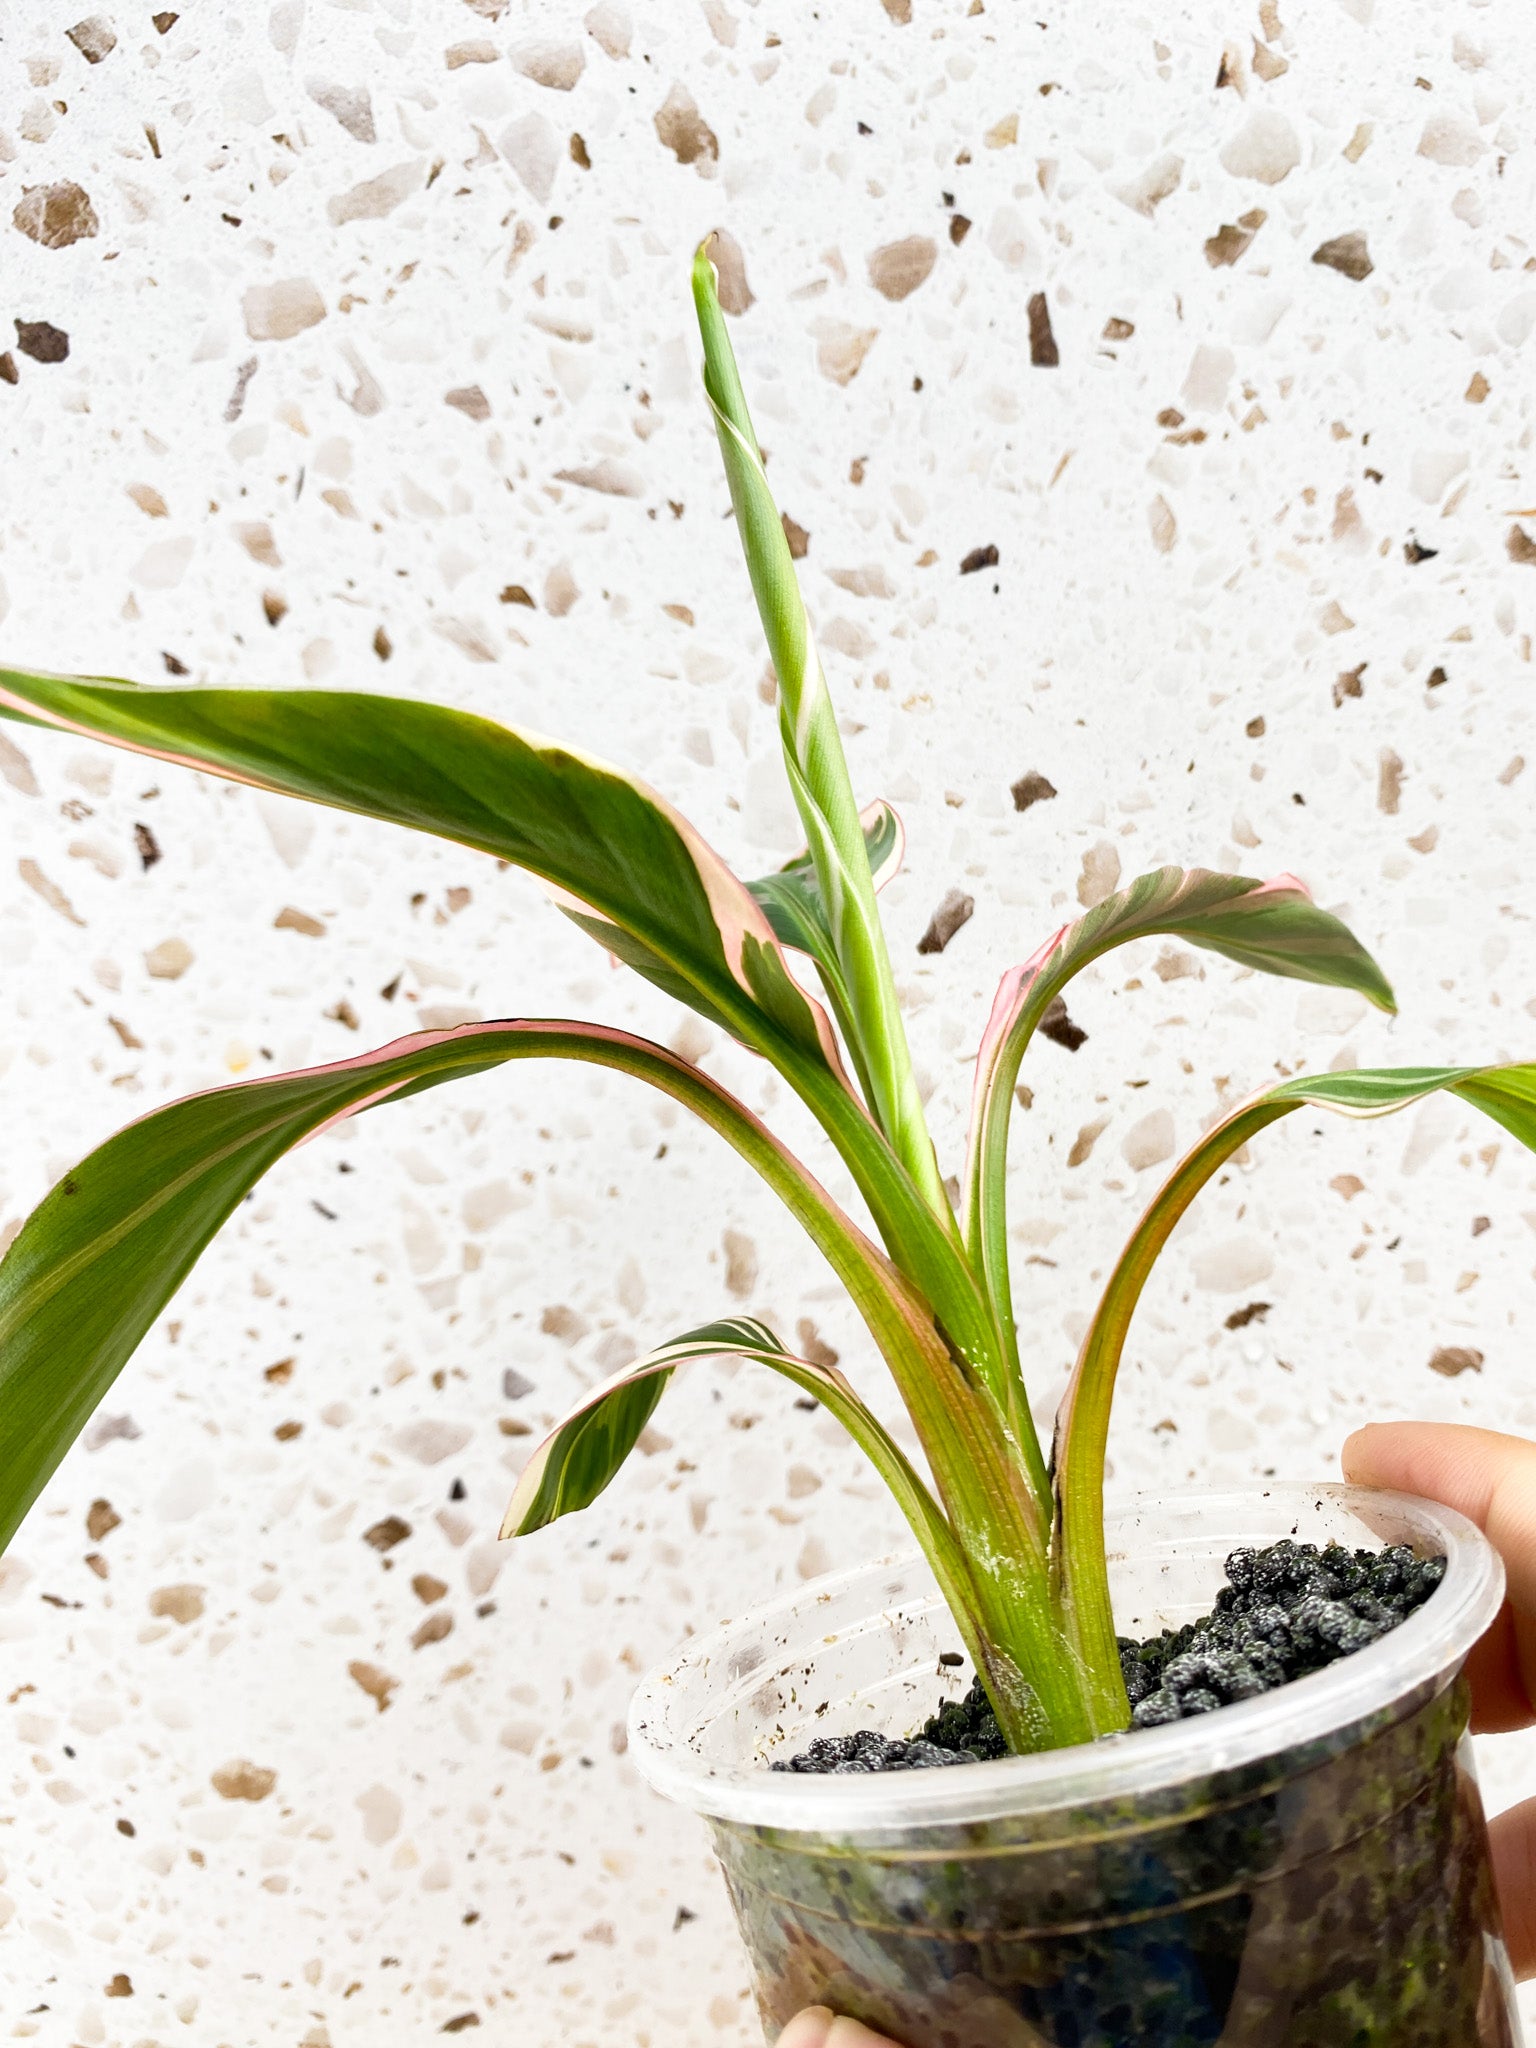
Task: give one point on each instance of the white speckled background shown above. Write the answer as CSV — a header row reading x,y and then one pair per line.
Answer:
x,y
1202,628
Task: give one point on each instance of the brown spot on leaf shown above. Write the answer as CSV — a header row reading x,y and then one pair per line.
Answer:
x,y
1043,352
42,341
1346,254
55,215
1450,1360
979,558
243,1780
1058,1026
683,129
896,269
956,910
1033,788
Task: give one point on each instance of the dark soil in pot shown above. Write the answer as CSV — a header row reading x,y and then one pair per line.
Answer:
x,y
1284,1611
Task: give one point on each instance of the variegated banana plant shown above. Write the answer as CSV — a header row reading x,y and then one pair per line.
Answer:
x,y
1014,1536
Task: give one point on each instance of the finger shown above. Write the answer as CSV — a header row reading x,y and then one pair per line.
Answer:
x,y
1492,1480
808,2029
816,2028
1512,1837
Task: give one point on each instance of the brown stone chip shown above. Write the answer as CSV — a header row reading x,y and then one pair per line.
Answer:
x,y
1346,254
1251,1312
1389,782
428,1589
376,1683
9,374
1057,1025
386,1534
148,846
118,1986
956,910
177,1603
55,215
1232,238
734,292
896,269
433,1629
93,38
1033,788
799,540
101,1518
1519,546
1449,1360
164,23
290,920
242,1780
959,228
1348,683
1116,329
469,399
980,558
1043,352
683,129
42,341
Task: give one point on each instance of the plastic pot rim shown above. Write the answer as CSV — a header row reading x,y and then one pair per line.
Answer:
x,y
708,1678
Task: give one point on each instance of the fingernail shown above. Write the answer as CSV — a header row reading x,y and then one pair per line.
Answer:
x,y
808,2029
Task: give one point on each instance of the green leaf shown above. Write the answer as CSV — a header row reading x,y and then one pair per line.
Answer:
x,y
1273,926
578,1458
791,899
1506,1093
629,868
816,765
625,865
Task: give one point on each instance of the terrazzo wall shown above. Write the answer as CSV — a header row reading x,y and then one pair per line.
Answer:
x,y
1151,393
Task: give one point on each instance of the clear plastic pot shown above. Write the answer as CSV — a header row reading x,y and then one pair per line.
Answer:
x,y
1304,1870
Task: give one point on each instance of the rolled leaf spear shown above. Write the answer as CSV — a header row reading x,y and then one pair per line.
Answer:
x,y
1016,1542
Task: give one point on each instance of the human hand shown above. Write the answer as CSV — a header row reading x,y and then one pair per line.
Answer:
x,y
1492,1480
817,2028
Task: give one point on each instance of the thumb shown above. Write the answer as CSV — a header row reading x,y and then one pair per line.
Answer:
x,y
816,2028
1512,1836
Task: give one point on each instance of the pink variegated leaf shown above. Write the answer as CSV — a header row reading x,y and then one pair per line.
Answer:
x,y
1272,926
1505,1093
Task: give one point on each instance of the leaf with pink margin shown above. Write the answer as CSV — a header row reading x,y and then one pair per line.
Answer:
x,y
628,867
573,1464
1273,927
1507,1093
